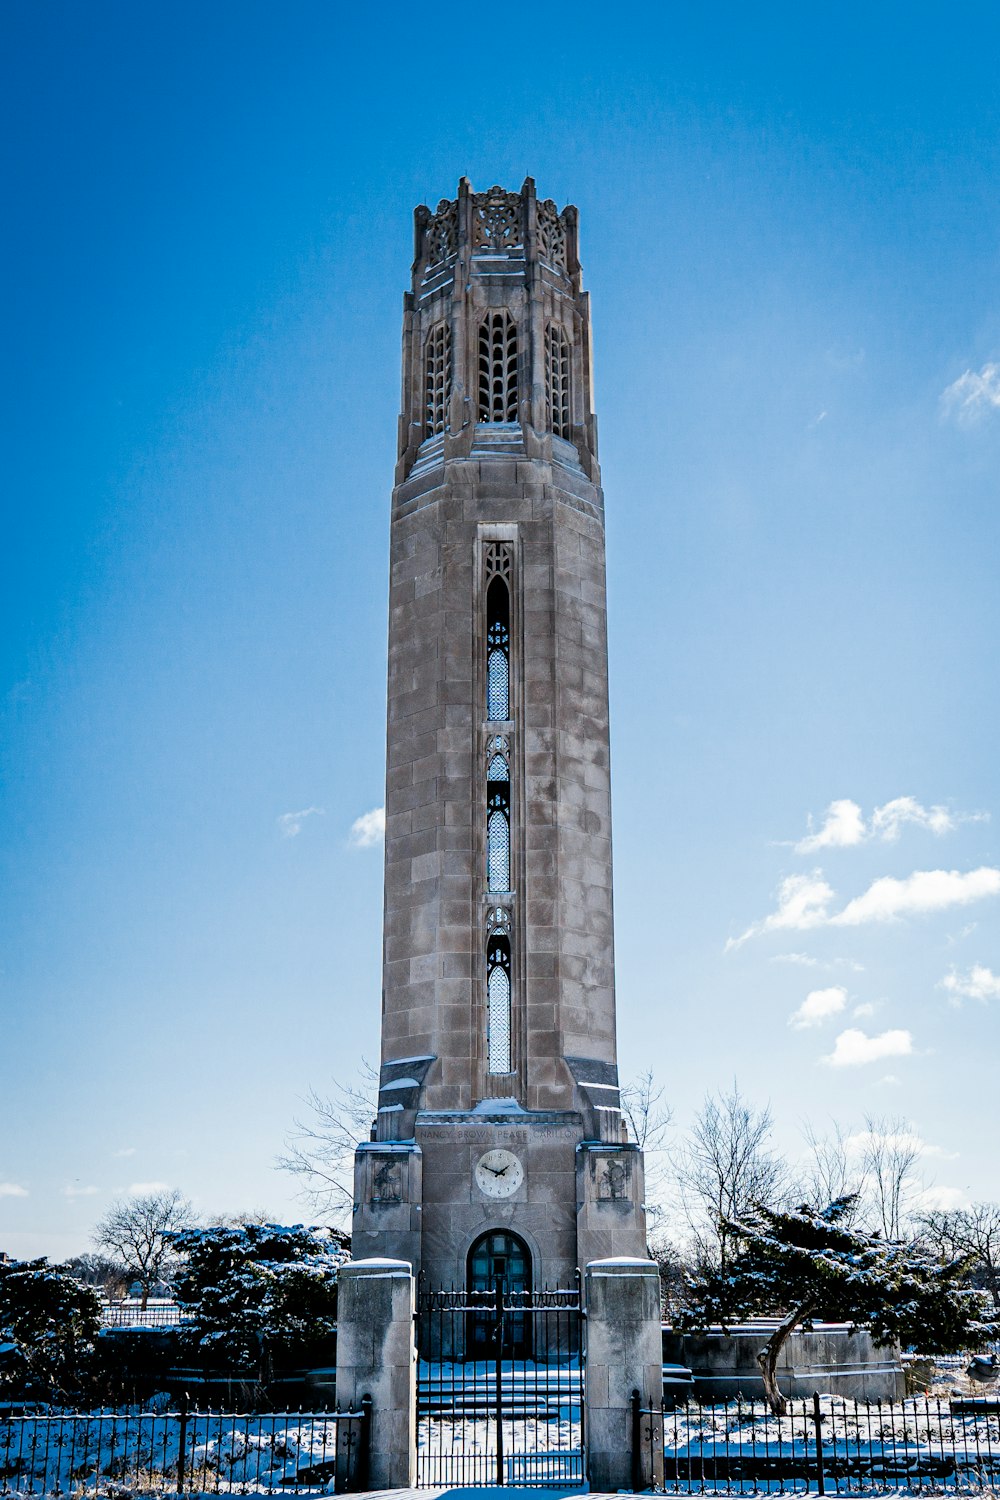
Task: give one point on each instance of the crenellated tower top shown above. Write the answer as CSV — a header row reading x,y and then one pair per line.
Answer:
x,y
496,335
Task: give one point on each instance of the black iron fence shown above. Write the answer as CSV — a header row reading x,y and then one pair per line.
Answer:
x,y
177,1452
827,1444
158,1313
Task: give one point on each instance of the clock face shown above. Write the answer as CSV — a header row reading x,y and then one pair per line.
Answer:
x,y
498,1174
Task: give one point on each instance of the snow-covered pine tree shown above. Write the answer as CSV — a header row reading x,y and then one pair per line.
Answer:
x,y
804,1264
256,1291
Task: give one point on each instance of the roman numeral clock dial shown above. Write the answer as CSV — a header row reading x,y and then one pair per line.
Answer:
x,y
498,1174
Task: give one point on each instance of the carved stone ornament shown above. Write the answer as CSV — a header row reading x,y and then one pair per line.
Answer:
x,y
441,234
551,234
386,1181
613,1181
497,559
496,220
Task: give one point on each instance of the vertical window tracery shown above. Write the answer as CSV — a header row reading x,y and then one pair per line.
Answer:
x,y
557,380
498,1004
498,368
497,769
437,378
497,650
498,825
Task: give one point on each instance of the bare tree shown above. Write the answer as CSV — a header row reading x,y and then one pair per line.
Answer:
x,y
974,1232
101,1272
889,1158
320,1150
725,1168
647,1119
832,1171
137,1230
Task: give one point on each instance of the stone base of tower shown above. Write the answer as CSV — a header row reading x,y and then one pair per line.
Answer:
x,y
498,1191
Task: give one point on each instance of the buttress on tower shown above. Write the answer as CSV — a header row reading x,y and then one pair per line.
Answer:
x,y
499,1149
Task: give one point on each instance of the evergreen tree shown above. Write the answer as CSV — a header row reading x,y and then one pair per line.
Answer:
x,y
257,1291
803,1265
49,1323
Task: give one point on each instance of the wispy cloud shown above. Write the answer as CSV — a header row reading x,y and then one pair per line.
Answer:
x,y
72,1191
802,959
866,1008
138,1189
804,900
124,1151
845,826
818,1006
12,1190
973,396
853,1048
860,1141
944,1198
977,983
923,891
369,829
290,823
889,819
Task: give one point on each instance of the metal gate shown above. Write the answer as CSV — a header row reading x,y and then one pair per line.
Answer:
x,y
500,1387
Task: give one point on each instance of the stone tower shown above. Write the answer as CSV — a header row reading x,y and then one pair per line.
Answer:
x,y
499,1147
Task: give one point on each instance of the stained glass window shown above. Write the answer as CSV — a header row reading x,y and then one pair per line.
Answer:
x,y
498,1056
497,651
498,843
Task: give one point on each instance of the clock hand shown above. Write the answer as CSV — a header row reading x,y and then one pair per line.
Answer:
x,y
497,1171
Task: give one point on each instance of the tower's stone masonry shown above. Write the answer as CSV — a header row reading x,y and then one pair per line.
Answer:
x,y
498,1105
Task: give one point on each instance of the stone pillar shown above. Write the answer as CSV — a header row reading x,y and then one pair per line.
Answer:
x,y
376,1357
623,1355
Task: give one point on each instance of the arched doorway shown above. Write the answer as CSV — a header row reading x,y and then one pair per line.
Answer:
x,y
502,1259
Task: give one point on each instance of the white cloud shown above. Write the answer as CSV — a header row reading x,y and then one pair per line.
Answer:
x,y
369,829
802,903
979,983
941,1197
844,826
853,1047
923,891
290,824
888,820
72,1191
866,1008
124,1151
12,1190
973,396
804,900
818,1006
907,1140
138,1189
802,959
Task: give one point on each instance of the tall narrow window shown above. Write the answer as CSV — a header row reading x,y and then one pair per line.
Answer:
x,y
498,368
498,825
557,378
498,1058
497,650
437,378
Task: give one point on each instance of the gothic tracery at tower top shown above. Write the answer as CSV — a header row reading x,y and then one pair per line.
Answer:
x,y
497,334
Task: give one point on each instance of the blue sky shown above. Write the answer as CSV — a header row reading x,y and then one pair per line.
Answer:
x,y
790,229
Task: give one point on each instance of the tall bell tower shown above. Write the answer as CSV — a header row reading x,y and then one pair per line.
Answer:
x,y
499,1146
